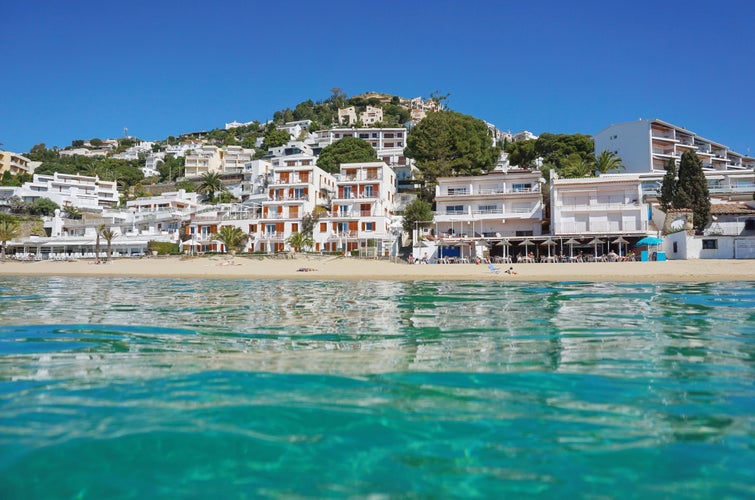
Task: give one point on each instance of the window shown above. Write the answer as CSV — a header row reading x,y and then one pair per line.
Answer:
x,y
270,228
750,225
710,244
454,209
369,191
487,209
369,226
299,193
457,191
517,188
676,248
347,192
343,227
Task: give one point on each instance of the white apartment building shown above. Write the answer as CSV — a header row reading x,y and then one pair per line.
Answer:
x,y
152,164
295,129
132,153
297,186
499,204
84,152
362,208
648,145
257,176
290,148
16,163
227,159
609,205
173,201
475,213
80,191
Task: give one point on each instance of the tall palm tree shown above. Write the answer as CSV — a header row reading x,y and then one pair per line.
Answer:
x,y
232,237
209,184
9,229
100,228
607,161
109,236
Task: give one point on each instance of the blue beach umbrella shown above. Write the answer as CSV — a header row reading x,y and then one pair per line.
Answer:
x,y
648,241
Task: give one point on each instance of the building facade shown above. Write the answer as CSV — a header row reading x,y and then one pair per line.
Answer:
x,y
649,145
609,205
16,163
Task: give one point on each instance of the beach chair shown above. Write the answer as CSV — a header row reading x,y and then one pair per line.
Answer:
x,y
493,269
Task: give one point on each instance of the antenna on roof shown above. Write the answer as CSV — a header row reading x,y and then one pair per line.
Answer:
x,y
125,132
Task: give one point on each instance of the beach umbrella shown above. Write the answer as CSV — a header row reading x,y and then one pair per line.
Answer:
x,y
549,243
526,244
619,241
648,241
596,242
504,244
571,242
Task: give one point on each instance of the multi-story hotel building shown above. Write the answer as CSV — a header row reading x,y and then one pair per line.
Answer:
x,y
362,207
648,145
296,188
598,206
497,204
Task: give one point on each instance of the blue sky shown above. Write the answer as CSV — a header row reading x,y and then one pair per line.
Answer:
x,y
84,69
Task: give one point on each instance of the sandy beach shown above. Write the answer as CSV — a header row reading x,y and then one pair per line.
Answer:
x,y
348,268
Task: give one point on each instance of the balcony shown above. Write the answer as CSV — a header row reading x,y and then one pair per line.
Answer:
x,y
599,228
663,134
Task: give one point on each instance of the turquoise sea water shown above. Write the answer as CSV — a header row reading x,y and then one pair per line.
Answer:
x,y
143,388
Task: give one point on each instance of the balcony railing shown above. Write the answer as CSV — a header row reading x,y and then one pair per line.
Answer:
x,y
598,228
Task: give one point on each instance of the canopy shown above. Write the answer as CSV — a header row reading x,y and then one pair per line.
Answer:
x,y
526,244
549,243
619,241
596,242
648,241
571,242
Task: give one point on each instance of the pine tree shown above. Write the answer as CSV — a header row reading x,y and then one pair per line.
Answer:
x,y
692,190
668,187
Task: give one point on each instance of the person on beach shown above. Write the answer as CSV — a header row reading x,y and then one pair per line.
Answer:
x,y
510,270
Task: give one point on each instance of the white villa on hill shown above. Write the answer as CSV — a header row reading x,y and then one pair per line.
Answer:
x,y
81,191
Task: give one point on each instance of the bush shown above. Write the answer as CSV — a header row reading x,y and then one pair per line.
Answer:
x,y
163,248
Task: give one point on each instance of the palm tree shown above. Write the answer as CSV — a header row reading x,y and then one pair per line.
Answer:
x,y
575,166
100,228
109,236
232,237
72,212
210,184
607,161
300,241
9,229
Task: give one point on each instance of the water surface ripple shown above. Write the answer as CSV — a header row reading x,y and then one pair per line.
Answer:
x,y
123,387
